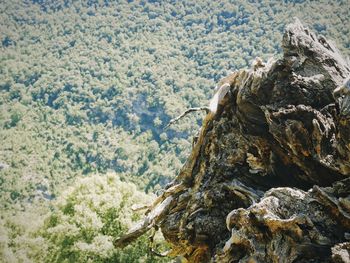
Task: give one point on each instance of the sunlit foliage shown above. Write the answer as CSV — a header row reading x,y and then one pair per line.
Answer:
x,y
87,218
87,87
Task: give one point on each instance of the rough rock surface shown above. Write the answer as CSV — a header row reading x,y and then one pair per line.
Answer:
x,y
268,179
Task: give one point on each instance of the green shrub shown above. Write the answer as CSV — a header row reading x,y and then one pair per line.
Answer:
x,y
89,216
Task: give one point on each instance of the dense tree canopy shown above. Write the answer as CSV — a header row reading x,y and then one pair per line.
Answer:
x,y
88,87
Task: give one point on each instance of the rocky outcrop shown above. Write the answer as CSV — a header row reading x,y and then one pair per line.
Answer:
x,y
268,179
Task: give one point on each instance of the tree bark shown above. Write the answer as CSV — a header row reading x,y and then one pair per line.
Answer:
x,y
268,179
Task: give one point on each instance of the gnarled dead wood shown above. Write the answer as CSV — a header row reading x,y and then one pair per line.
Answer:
x,y
172,121
271,165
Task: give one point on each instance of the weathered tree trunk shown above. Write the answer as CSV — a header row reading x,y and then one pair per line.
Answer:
x,y
269,177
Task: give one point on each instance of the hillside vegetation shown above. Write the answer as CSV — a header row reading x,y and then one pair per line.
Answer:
x,y
87,88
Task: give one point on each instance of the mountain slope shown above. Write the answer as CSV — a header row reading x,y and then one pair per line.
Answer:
x,y
80,79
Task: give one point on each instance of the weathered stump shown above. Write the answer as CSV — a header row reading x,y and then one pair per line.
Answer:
x,y
268,179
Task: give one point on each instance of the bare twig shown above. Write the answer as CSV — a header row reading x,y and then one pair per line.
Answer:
x,y
146,224
172,121
135,208
154,215
152,245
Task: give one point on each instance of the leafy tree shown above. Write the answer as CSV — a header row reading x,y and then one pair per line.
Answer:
x,y
89,216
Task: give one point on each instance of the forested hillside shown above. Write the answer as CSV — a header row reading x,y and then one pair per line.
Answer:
x,y
88,88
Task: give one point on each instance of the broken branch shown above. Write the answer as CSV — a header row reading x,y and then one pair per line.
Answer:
x,y
172,121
